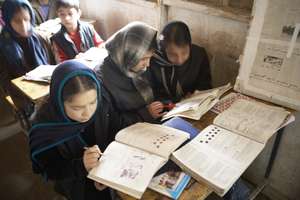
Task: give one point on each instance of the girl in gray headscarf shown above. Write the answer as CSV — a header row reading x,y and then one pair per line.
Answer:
x,y
122,72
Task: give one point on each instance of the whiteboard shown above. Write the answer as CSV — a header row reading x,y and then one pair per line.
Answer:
x,y
270,66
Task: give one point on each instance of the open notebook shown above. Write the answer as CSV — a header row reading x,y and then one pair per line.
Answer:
x,y
129,163
91,58
222,152
41,73
195,106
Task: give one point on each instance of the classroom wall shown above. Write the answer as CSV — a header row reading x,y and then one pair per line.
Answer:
x,y
222,31
111,15
224,38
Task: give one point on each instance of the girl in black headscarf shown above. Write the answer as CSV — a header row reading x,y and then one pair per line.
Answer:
x,y
180,67
77,116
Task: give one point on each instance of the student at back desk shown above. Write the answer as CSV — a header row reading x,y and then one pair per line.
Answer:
x,y
43,10
21,49
75,36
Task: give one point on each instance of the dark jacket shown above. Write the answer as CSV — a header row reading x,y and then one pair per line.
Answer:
x,y
18,55
174,82
130,91
64,164
125,97
64,42
56,142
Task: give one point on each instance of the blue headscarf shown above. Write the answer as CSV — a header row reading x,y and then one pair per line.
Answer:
x,y
8,45
46,135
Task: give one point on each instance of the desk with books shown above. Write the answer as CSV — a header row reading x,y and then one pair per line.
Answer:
x,y
35,90
197,190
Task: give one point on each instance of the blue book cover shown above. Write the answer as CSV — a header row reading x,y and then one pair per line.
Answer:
x,y
182,125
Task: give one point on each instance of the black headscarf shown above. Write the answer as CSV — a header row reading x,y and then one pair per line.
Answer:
x,y
194,73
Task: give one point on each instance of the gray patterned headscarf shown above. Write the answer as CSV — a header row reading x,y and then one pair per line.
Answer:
x,y
127,47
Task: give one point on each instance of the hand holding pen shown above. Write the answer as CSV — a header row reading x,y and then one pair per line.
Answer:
x,y
91,156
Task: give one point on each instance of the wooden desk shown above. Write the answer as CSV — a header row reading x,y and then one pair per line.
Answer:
x,y
32,89
36,90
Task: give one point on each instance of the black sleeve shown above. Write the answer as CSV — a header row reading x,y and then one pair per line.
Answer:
x,y
59,168
4,75
139,115
121,119
154,77
204,75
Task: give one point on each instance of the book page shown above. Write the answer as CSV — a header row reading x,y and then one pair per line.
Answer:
x,y
195,106
41,73
217,157
153,138
197,113
252,119
94,54
227,101
126,169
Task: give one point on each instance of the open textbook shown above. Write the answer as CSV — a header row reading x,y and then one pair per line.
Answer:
x,y
195,106
129,163
41,73
91,58
222,152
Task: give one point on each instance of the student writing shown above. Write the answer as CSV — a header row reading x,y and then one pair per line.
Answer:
x,y
77,115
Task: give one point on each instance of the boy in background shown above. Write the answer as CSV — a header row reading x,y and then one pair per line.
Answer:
x,y
43,10
75,36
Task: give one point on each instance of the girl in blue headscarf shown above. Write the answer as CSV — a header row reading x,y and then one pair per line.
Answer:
x,y
77,115
21,49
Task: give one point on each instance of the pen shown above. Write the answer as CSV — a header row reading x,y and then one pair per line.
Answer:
x,y
169,106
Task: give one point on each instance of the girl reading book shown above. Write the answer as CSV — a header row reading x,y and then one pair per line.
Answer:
x,y
123,72
71,129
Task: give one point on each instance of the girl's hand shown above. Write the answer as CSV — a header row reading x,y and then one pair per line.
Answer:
x,y
91,156
79,55
99,186
155,109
